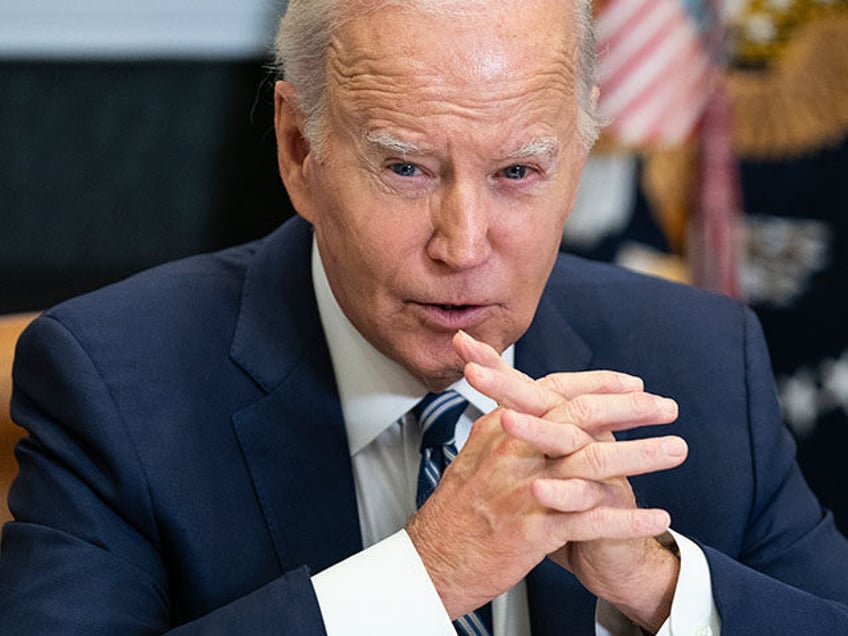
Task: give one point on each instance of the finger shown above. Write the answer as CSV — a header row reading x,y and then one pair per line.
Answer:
x,y
554,439
600,461
603,522
570,385
512,389
487,372
598,414
472,350
572,495
564,430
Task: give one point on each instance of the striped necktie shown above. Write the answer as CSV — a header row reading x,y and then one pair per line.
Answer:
x,y
437,415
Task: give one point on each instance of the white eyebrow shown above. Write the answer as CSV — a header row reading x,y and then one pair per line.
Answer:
x,y
386,142
547,147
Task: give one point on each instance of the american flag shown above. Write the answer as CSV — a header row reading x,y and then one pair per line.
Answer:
x,y
654,71
657,72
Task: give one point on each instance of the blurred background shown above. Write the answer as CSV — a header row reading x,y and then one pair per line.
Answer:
x,y
135,133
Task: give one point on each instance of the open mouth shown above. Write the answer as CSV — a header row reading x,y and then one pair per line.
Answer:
x,y
455,307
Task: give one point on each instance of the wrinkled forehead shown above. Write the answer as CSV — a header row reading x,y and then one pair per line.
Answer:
x,y
478,55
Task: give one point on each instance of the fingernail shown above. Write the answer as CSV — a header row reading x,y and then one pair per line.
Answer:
x,y
661,519
631,382
653,521
469,339
667,405
675,447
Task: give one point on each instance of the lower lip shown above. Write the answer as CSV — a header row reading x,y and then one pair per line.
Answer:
x,y
452,319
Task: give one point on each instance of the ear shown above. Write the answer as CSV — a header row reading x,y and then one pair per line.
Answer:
x,y
294,157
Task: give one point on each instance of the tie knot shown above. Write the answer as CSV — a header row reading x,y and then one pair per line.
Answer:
x,y
437,415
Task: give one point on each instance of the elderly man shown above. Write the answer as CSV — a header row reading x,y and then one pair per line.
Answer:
x,y
260,441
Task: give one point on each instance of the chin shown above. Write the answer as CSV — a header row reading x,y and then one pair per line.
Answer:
x,y
438,370
440,380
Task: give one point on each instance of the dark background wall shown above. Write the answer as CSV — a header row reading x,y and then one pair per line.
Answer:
x,y
807,331
109,168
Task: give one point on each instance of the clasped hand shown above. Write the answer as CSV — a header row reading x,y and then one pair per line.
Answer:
x,y
542,475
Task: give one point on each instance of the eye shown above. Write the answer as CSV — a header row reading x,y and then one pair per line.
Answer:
x,y
516,172
404,169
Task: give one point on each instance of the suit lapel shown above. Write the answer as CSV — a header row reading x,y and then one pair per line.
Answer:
x,y
296,450
293,440
551,344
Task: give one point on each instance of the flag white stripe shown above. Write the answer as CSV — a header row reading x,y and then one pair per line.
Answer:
x,y
616,16
654,66
647,28
671,98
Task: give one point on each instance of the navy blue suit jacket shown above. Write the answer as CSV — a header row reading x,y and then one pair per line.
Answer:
x,y
187,466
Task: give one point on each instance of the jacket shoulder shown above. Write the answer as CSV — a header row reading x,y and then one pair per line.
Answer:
x,y
162,298
592,287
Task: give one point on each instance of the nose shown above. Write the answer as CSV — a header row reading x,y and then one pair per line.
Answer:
x,y
461,227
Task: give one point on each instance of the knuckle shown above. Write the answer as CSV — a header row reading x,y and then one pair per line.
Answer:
x,y
560,413
504,448
596,459
598,520
569,439
513,449
609,381
555,382
582,410
642,403
573,438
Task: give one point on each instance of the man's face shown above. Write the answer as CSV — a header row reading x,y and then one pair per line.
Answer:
x,y
451,163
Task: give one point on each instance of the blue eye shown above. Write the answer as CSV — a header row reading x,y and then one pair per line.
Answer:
x,y
516,172
404,169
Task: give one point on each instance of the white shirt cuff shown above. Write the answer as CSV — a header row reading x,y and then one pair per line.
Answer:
x,y
384,589
693,610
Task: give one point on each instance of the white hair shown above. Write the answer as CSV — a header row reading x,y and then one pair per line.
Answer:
x,y
307,27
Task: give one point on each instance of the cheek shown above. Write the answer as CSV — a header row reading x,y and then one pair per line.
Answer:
x,y
386,231
371,250
338,217
529,250
531,232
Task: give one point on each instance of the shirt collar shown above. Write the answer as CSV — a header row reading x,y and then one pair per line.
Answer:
x,y
374,390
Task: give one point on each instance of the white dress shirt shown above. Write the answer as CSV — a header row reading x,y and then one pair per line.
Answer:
x,y
385,589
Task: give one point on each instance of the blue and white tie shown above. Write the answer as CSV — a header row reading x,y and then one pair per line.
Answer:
x,y
437,415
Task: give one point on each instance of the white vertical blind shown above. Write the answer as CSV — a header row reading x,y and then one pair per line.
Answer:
x,y
137,29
